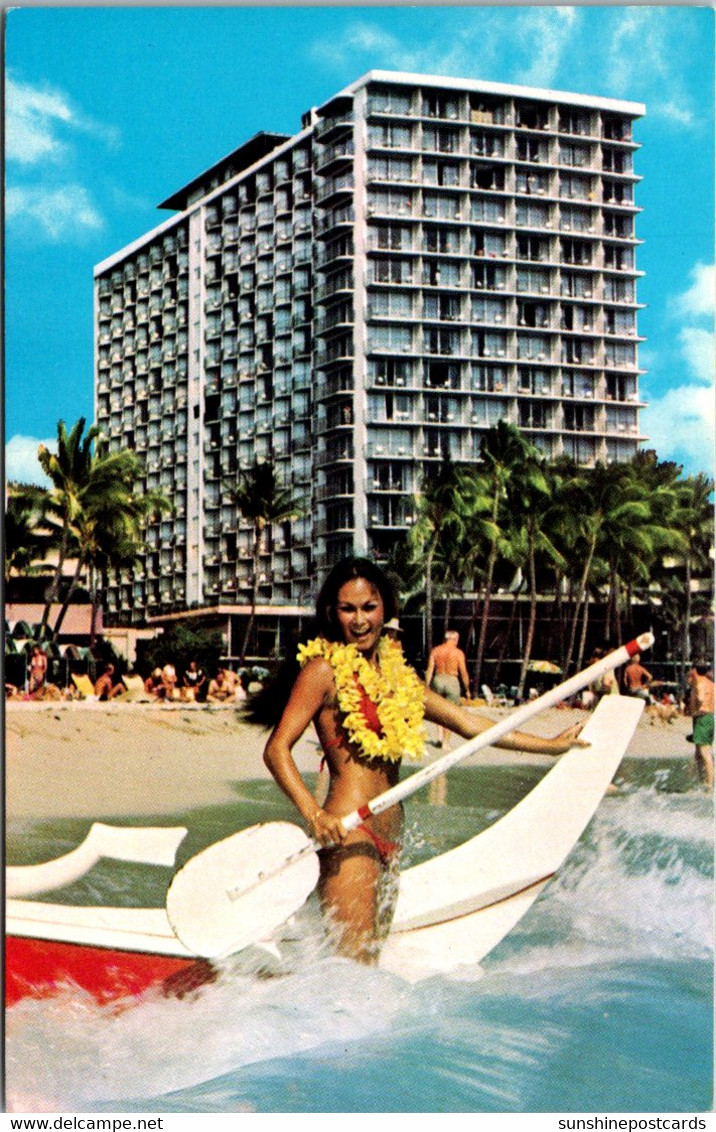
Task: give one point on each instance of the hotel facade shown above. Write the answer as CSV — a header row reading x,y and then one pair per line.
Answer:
x,y
356,302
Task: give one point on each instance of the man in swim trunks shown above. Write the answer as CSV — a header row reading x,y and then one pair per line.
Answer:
x,y
447,673
701,709
367,706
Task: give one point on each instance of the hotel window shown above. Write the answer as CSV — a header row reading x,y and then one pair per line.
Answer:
x,y
442,375
532,279
389,202
575,251
390,304
445,173
389,101
530,182
445,342
619,354
391,338
576,384
486,412
441,207
529,214
445,308
533,248
392,270
530,313
578,418
441,140
487,177
533,414
393,237
388,476
615,192
390,169
488,344
619,322
390,136
485,276
446,410
576,219
582,450
574,122
487,209
531,149
442,239
621,259
390,371
534,379
533,346
490,311
616,160
440,106
441,273
485,144
576,285
578,156
617,225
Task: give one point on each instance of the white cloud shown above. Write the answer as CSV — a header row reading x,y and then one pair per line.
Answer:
x,y
545,33
644,55
40,124
700,298
697,348
58,213
680,426
21,463
538,38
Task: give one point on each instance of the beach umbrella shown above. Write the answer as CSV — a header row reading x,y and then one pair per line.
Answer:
x,y
543,666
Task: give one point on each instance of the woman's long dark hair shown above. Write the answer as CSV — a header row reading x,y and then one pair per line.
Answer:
x,y
267,707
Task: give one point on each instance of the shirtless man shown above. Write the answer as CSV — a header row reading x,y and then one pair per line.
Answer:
x,y
447,673
701,710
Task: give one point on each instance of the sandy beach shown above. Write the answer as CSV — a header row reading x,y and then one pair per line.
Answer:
x,y
109,761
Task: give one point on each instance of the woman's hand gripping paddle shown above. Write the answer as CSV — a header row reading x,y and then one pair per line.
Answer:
x,y
240,890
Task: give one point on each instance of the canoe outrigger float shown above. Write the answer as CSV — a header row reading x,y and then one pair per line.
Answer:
x,y
452,909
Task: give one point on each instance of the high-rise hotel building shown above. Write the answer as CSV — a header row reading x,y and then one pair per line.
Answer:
x,y
356,302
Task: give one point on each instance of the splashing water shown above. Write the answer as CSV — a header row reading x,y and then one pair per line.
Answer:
x,y
599,1000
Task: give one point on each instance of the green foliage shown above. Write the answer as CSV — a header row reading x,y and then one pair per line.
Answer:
x,y
178,645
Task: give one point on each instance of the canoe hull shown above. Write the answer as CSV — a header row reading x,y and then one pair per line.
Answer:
x,y
41,968
452,910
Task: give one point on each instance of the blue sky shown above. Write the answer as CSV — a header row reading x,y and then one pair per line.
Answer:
x,y
111,109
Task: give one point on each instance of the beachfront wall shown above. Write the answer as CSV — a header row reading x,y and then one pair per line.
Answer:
x,y
358,301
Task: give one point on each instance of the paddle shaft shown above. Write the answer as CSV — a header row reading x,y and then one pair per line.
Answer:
x,y
487,738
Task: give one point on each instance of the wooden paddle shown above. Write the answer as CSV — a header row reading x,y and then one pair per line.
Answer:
x,y
238,891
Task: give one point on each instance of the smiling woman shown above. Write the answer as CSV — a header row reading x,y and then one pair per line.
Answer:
x,y
368,707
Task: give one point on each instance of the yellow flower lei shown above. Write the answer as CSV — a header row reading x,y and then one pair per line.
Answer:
x,y
394,688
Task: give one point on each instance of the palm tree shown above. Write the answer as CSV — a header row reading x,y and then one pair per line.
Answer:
x,y
503,451
27,538
263,501
694,519
439,522
108,522
68,471
529,496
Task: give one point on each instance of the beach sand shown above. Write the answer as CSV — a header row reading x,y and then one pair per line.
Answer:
x,y
108,761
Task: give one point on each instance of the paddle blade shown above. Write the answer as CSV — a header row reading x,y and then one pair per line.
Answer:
x,y
238,891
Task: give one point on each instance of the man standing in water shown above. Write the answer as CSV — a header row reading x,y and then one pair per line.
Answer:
x,y
447,673
701,709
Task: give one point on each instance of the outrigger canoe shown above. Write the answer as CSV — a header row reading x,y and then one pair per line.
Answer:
x,y
452,910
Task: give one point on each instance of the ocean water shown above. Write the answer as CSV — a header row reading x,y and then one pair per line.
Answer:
x,y
599,1001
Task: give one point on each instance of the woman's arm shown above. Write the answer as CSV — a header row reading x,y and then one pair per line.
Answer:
x,y
309,694
469,724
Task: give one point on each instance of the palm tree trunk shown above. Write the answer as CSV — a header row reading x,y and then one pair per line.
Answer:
x,y
583,636
56,581
479,659
55,631
532,621
256,566
580,596
429,598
